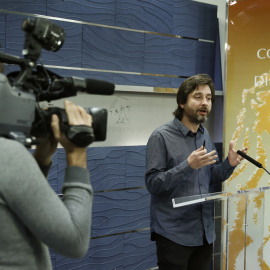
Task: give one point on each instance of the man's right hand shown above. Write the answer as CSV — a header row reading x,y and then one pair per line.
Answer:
x,y
200,158
76,156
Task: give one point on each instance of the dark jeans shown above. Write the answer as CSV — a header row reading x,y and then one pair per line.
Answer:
x,y
172,256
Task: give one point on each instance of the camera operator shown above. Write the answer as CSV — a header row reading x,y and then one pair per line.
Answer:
x,y
33,217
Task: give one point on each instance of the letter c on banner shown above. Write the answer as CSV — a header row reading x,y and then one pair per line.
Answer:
x,y
263,51
258,53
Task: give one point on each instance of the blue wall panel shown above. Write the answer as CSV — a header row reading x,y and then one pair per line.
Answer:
x,y
195,20
53,258
147,80
180,57
53,173
61,166
104,253
164,55
139,251
112,49
120,211
115,50
136,163
123,252
218,70
130,50
107,167
28,6
94,11
153,16
99,48
175,82
2,32
205,58
14,34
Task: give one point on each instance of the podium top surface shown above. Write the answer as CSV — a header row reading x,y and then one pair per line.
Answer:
x,y
189,200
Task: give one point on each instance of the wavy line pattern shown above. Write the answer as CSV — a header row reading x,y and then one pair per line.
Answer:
x,y
116,213
193,19
94,11
29,6
129,251
146,15
147,44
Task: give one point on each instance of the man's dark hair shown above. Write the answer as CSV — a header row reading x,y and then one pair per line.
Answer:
x,y
190,85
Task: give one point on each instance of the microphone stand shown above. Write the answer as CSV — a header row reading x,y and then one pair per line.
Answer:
x,y
265,170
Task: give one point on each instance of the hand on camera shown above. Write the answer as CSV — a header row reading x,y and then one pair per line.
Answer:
x,y
45,150
76,156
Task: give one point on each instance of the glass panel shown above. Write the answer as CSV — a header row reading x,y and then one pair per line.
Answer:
x,y
254,230
266,242
220,212
235,238
220,221
242,227
183,201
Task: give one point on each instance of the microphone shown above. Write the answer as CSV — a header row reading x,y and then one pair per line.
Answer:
x,y
90,86
69,86
253,161
12,59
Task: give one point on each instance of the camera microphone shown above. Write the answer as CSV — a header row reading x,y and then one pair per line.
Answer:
x,y
91,86
11,59
69,86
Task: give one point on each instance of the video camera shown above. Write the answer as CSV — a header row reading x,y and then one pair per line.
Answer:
x,y
21,117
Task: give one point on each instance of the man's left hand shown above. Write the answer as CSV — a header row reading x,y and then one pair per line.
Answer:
x,y
233,157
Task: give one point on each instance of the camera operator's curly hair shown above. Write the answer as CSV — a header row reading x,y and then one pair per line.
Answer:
x,y
190,85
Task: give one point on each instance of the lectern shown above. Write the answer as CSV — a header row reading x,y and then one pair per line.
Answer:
x,y
242,227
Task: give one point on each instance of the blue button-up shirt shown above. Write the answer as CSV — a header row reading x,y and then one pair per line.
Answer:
x,y
169,176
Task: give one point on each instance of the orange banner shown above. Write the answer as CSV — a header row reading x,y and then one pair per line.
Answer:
x,y
247,122
247,110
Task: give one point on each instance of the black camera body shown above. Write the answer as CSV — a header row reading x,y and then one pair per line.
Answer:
x,y
21,117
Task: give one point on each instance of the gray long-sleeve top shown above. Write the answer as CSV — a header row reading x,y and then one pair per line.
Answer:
x,y
33,217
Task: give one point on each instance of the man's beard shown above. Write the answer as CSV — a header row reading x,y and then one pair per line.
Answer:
x,y
193,116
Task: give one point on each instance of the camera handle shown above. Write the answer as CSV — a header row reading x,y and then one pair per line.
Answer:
x,y
80,135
